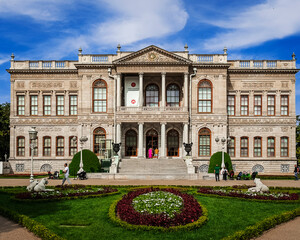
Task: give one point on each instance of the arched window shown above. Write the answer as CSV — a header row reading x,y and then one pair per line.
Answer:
x,y
173,143
60,146
130,143
244,146
173,95
46,146
99,136
152,93
21,146
271,146
204,142
99,96
284,146
204,96
231,147
257,146
73,145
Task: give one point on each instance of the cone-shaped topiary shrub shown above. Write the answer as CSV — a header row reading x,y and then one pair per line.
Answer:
x,y
216,158
90,162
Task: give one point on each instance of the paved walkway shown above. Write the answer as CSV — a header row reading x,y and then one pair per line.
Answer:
x,y
288,231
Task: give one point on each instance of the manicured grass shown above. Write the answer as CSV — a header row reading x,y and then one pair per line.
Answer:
x,y
90,217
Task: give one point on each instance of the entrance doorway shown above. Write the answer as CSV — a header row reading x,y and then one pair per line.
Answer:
x,y
151,142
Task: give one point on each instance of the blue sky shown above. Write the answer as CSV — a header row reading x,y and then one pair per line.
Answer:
x,y
55,29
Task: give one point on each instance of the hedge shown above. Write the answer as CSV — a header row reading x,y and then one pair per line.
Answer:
x,y
90,162
266,224
187,227
216,158
33,226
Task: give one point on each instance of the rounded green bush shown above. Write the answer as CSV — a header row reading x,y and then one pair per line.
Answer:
x,y
216,158
90,162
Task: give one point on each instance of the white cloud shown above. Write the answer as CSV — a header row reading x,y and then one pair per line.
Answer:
x,y
274,19
49,10
4,58
129,22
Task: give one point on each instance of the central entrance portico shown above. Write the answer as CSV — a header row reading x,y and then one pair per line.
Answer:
x,y
151,141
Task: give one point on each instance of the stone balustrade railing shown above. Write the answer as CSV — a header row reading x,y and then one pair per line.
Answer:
x,y
207,58
152,109
43,65
262,64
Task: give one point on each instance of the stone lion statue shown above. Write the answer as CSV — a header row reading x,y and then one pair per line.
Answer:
x,y
37,186
260,187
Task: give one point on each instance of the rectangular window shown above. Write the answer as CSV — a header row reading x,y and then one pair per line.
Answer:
x,y
231,147
271,105
21,146
204,145
257,147
33,105
35,149
284,105
21,105
244,147
99,99
271,147
257,105
72,146
73,105
284,147
231,105
60,146
47,146
59,105
47,105
244,105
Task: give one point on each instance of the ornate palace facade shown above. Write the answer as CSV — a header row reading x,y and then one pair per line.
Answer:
x,y
159,99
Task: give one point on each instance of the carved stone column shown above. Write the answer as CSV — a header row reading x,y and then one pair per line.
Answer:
x,y
118,91
278,102
67,104
163,90
163,142
141,137
119,139
185,135
186,90
141,92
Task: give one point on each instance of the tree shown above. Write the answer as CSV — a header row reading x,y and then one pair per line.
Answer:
x,y
4,130
298,139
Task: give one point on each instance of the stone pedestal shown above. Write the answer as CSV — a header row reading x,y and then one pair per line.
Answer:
x,y
189,165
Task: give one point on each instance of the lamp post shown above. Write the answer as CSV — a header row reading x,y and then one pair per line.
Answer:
x,y
32,136
223,141
82,141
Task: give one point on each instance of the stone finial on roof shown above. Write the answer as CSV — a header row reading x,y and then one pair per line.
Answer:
x,y
186,47
225,50
12,57
80,51
293,56
119,47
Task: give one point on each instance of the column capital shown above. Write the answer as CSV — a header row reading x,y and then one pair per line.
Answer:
x,y
163,73
141,73
185,73
140,123
118,74
163,123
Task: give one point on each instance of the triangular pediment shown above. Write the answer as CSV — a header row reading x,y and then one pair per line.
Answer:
x,y
152,55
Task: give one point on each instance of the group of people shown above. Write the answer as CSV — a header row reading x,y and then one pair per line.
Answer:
x,y
223,172
151,152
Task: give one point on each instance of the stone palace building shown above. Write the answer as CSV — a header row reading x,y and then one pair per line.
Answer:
x,y
154,98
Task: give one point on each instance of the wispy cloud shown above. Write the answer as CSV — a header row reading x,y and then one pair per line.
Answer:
x,y
50,10
129,22
3,58
274,19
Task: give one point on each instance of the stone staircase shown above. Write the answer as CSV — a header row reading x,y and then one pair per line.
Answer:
x,y
152,166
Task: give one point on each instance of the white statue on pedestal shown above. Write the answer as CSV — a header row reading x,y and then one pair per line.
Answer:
x,y
260,187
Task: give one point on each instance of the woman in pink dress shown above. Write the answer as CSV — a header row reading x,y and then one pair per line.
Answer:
x,y
150,153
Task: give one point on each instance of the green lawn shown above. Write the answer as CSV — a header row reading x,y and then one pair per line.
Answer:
x,y
226,216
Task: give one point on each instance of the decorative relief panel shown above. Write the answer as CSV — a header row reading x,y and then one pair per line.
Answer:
x,y
20,85
73,84
257,85
153,56
137,68
258,129
262,121
46,85
284,129
284,84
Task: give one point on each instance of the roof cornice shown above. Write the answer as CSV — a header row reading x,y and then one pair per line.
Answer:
x,y
37,71
292,71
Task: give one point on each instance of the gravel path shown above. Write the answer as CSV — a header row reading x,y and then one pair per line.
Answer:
x,y
287,231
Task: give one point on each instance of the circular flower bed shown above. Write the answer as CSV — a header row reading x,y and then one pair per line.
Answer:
x,y
249,195
158,207
67,191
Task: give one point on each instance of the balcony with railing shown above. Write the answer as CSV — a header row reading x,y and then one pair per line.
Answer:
x,y
262,64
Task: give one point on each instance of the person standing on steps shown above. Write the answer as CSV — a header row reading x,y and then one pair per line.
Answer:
x,y
66,175
156,152
217,172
